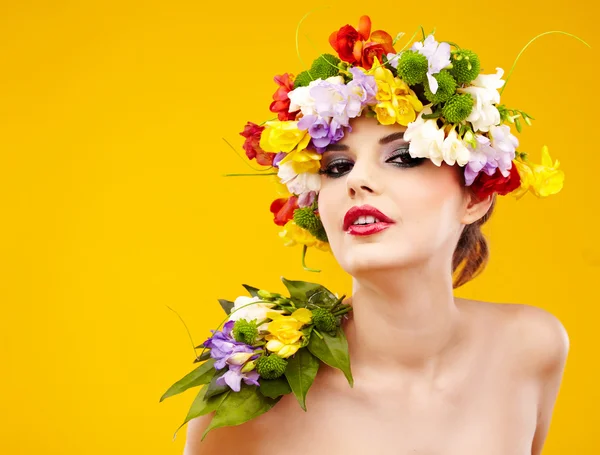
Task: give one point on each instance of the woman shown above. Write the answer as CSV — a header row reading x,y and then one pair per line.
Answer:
x,y
433,374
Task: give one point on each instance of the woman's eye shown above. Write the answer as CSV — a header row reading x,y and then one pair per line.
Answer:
x,y
336,168
403,159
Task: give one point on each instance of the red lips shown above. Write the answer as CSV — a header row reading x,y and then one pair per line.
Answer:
x,y
364,210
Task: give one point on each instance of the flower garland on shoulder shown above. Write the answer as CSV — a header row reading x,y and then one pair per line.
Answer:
x,y
269,346
452,113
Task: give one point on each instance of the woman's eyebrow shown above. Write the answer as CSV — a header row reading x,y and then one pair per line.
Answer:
x,y
391,137
382,141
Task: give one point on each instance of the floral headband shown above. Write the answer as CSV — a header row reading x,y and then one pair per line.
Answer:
x,y
452,113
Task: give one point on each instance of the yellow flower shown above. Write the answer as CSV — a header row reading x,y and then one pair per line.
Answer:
x,y
303,160
405,108
292,234
283,137
541,179
284,337
398,103
386,114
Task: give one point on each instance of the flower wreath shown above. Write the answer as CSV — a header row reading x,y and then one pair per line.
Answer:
x,y
452,114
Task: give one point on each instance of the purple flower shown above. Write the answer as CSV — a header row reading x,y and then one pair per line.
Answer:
x,y
223,346
233,378
363,87
278,158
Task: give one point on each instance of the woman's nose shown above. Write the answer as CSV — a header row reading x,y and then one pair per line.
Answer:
x,y
361,179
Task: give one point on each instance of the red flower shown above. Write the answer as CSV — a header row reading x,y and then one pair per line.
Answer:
x,y
484,184
252,133
283,209
360,47
281,103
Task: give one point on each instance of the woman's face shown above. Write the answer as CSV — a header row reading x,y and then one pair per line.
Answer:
x,y
425,203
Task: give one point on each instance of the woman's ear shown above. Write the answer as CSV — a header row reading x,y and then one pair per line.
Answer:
x,y
475,208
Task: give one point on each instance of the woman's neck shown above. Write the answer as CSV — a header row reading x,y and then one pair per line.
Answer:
x,y
405,320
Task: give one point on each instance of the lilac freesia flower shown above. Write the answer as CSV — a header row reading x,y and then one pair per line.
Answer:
x,y
363,86
233,378
485,158
223,346
278,158
438,58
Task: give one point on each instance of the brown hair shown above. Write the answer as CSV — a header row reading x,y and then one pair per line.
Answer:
x,y
472,251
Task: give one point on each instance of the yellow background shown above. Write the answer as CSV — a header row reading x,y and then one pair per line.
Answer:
x,y
114,206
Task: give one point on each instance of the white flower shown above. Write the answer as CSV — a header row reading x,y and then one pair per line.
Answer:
x,y
301,97
454,151
298,183
393,59
255,311
438,58
484,90
426,139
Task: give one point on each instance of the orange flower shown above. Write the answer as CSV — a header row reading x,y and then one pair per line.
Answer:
x,y
360,47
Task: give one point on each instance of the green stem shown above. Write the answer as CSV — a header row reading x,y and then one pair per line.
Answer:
x,y
344,311
316,332
527,45
308,269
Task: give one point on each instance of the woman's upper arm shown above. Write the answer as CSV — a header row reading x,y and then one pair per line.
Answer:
x,y
548,345
194,444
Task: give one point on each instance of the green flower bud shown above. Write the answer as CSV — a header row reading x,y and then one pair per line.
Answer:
x,y
270,367
303,79
446,88
265,295
244,331
249,366
412,67
325,66
458,108
465,65
324,320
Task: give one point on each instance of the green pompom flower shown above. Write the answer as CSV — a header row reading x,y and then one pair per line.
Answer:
x,y
412,67
244,331
324,320
465,65
307,219
458,108
325,66
303,79
271,367
446,87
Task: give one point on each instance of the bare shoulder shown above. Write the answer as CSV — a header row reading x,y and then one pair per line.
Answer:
x,y
539,338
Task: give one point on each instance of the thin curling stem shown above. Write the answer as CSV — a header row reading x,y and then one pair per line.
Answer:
x,y
186,328
298,32
308,269
240,157
527,45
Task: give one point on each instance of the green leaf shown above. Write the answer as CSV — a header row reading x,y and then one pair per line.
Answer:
x,y
202,406
215,389
226,305
201,375
251,290
273,388
204,356
303,293
239,407
300,373
333,350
